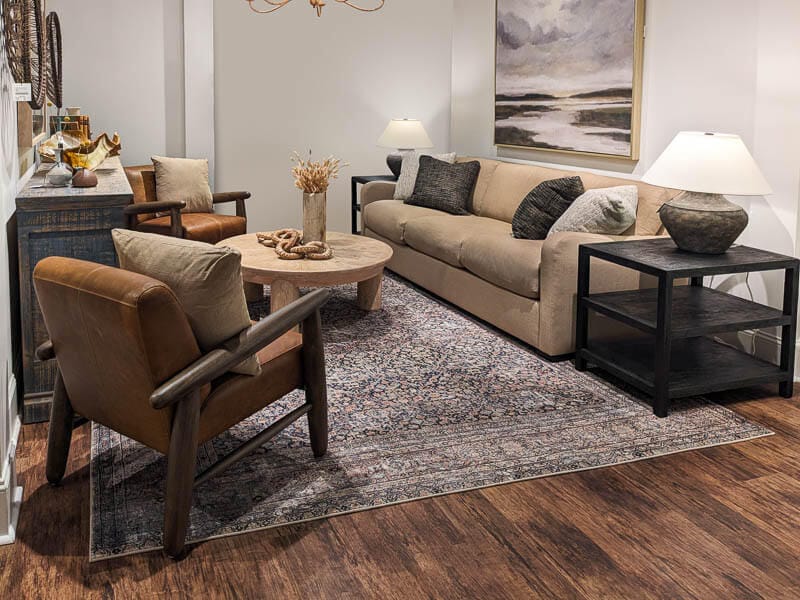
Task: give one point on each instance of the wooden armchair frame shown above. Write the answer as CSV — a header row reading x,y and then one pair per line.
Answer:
x,y
183,392
175,206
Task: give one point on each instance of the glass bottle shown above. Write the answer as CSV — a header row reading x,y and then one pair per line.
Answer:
x,y
60,174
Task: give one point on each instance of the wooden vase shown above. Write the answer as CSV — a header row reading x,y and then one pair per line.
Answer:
x,y
314,217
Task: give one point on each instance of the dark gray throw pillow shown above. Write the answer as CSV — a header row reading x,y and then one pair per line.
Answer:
x,y
543,205
443,186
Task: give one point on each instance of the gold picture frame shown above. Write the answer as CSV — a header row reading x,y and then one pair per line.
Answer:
x,y
637,62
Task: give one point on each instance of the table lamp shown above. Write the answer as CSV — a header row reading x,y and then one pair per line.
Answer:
x,y
406,135
706,165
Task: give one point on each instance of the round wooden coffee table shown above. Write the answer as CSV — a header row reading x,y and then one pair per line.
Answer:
x,y
356,259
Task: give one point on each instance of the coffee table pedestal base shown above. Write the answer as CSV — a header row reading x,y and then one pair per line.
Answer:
x,y
253,292
369,293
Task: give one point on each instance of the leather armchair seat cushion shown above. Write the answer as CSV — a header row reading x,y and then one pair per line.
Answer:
x,y
200,227
233,398
207,281
507,262
389,218
443,237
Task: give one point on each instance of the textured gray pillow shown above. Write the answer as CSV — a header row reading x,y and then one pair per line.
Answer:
x,y
443,186
409,170
543,205
604,210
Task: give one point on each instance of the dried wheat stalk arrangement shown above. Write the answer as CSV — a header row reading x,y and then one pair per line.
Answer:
x,y
314,177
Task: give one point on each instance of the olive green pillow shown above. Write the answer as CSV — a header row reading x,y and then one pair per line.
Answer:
x,y
206,279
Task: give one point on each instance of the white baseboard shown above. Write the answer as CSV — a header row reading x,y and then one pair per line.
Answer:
x,y
10,492
761,344
14,501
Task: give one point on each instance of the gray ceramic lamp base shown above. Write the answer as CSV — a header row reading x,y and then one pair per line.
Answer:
x,y
395,162
703,223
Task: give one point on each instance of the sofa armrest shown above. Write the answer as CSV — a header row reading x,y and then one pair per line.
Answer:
x,y
376,190
558,283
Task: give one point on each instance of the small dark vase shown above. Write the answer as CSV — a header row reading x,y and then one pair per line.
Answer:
x,y
703,223
84,178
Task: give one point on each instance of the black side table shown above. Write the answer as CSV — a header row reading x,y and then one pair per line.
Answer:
x,y
677,358
355,207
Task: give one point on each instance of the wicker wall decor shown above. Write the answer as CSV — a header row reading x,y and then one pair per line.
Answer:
x,y
25,46
55,90
14,12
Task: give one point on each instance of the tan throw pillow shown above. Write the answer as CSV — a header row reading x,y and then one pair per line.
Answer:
x,y
183,179
207,281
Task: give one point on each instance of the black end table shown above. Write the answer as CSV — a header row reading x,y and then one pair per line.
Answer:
x,y
677,358
355,207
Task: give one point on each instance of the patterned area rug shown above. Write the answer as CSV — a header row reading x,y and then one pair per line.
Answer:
x,y
423,401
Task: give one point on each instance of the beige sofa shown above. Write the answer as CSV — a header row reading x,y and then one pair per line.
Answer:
x,y
524,287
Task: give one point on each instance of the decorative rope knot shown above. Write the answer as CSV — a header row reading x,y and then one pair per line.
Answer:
x,y
288,245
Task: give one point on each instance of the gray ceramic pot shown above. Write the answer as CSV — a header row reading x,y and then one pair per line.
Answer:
x,y
703,223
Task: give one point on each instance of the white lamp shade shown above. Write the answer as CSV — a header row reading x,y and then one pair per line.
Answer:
x,y
711,163
405,134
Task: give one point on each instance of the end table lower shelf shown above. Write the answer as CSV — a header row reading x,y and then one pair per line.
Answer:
x,y
697,366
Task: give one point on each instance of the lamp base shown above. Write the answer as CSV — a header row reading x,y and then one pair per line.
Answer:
x,y
703,223
395,162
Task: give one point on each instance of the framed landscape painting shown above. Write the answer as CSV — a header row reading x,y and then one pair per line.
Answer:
x,y
568,75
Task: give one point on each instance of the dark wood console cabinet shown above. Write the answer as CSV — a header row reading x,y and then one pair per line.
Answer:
x,y
72,222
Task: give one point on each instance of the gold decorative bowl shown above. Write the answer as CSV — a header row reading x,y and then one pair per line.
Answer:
x,y
80,152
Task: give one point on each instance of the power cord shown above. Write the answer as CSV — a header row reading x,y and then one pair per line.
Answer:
x,y
752,299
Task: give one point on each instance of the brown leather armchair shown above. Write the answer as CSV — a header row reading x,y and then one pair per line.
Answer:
x,y
128,359
201,227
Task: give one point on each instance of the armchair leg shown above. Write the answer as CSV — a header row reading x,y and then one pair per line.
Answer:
x,y
316,386
59,436
181,463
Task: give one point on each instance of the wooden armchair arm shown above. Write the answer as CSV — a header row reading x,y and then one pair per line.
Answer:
x,y
173,206
220,360
45,351
141,208
238,197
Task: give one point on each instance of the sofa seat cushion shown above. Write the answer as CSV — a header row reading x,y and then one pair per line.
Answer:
x,y
443,237
389,218
505,261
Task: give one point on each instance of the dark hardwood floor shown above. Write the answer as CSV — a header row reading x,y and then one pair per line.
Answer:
x,y
722,522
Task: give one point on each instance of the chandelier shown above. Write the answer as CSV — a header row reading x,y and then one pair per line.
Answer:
x,y
273,5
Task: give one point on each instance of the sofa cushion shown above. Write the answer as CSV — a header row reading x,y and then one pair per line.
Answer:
x,y
444,186
388,218
502,186
442,237
488,167
505,261
509,184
